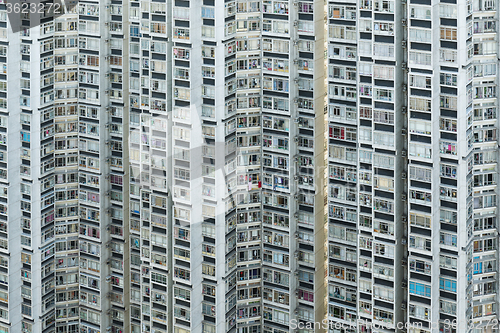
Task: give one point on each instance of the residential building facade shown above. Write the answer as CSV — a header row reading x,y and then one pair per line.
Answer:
x,y
249,166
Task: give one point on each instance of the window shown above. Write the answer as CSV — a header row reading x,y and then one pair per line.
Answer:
x,y
420,266
420,197
420,58
179,12
420,174
342,133
448,285
208,269
384,6
420,127
420,289
420,81
420,243
421,35
305,7
449,79
160,278
383,250
383,50
386,95
418,150
365,25
449,148
420,220
447,262
448,193
448,307
26,309
384,183
383,72
342,32
384,139
420,12
448,11
484,245
419,311
448,239
447,55
180,33
448,33
420,104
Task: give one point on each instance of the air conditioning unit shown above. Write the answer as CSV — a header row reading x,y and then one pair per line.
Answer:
x,y
404,22
296,215
403,241
404,153
295,23
404,262
403,43
403,196
403,109
403,175
404,219
296,138
108,278
404,131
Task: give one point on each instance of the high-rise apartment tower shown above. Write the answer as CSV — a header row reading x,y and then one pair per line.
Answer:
x,y
263,166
